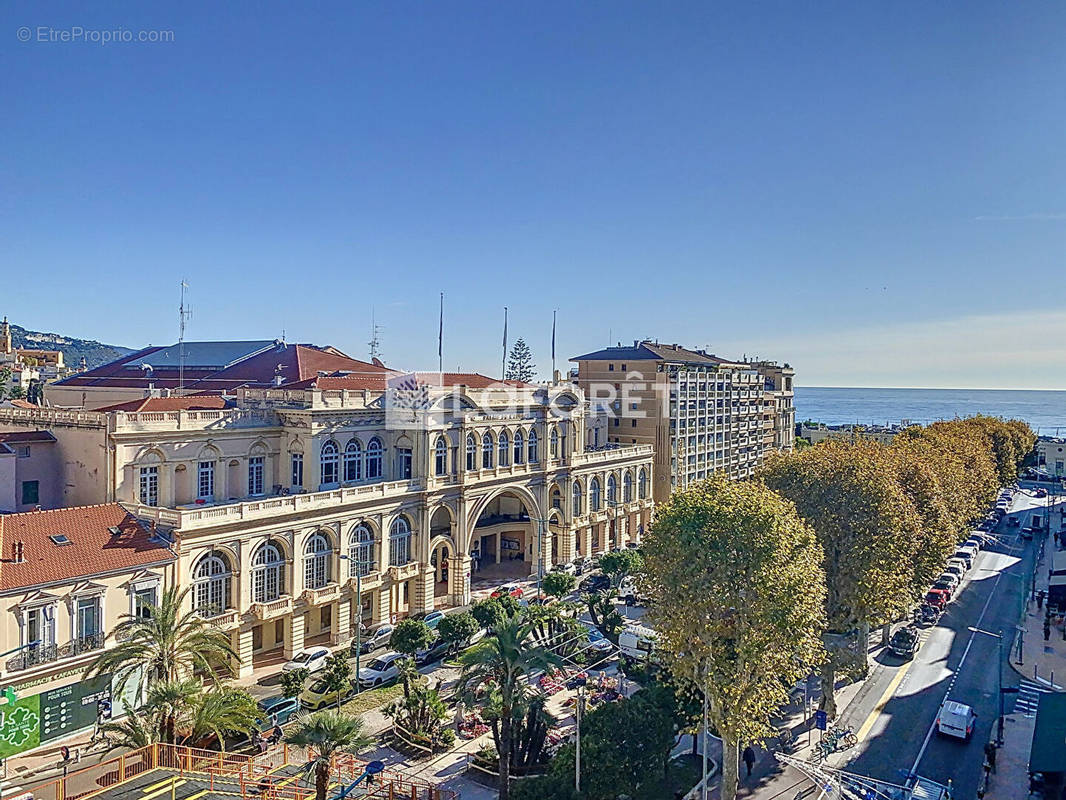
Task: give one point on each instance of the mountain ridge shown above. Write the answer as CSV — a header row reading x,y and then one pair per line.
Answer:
x,y
73,348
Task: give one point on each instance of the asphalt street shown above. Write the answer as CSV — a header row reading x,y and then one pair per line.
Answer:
x,y
895,711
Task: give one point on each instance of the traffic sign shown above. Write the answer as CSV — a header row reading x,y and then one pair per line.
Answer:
x,y
821,720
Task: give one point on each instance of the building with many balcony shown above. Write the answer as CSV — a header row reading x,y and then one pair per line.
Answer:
x,y
702,414
299,510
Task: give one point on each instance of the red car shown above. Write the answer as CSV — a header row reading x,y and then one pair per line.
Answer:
x,y
509,588
938,598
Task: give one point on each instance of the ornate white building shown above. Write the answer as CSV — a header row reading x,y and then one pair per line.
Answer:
x,y
277,504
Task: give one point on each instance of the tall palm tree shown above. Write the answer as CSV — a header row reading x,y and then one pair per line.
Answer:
x,y
173,702
167,644
133,732
505,659
327,732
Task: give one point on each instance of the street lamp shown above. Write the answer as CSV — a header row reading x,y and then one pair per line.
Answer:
x,y
359,563
999,723
580,683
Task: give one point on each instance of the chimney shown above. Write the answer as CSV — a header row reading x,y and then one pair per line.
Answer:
x,y
18,552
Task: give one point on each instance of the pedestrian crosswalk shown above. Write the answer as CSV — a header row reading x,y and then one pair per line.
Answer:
x,y
1029,697
12,791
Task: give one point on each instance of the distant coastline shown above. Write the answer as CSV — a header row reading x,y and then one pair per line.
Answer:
x,y
1043,409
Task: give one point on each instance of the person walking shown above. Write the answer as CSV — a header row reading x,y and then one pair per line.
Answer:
x,y
990,755
1047,629
749,759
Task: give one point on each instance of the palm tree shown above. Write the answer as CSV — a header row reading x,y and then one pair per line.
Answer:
x,y
172,702
166,644
132,733
327,732
220,711
504,659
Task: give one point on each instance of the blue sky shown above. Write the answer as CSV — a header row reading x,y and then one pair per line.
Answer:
x,y
875,193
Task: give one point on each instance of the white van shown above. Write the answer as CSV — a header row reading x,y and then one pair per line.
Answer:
x,y
956,719
637,643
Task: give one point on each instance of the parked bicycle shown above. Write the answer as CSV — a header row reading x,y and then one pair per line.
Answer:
x,y
836,739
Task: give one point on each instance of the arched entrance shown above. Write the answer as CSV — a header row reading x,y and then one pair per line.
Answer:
x,y
442,554
504,537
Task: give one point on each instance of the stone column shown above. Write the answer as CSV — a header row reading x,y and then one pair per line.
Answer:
x,y
341,622
294,633
544,553
381,604
241,642
568,539
459,579
422,599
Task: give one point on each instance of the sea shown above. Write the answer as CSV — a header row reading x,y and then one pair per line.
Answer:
x,y
1045,411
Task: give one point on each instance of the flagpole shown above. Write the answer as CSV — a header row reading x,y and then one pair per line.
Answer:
x,y
554,312
440,339
503,364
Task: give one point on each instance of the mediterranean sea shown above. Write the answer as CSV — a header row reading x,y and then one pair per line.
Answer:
x,y
1045,411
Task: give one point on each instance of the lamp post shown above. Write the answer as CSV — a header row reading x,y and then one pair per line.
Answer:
x,y
999,722
581,683
359,563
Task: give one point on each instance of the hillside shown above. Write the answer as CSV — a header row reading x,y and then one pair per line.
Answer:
x,y
73,349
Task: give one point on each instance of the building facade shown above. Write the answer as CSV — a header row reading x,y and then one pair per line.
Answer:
x,y
67,578
301,509
1051,455
29,471
701,414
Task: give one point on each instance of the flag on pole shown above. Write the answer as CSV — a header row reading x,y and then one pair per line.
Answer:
x,y
553,344
503,367
440,337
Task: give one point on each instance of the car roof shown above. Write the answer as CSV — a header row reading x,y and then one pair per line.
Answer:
x,y
270,702
956,708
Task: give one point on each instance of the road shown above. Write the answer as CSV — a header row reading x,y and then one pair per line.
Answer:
x,y
896,708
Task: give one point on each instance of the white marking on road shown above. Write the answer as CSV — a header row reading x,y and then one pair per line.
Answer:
x,y
958,669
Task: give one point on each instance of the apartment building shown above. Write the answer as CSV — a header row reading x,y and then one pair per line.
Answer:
x,y
702,414
67,577
1051,455
286,500
29,471
815,432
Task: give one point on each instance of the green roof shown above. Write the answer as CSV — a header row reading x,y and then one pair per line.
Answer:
x,y
1049,736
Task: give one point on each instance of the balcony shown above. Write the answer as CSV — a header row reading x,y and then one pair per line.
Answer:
x,y
86,644
32,657
225,619
323,594
272,609
403,572
372,580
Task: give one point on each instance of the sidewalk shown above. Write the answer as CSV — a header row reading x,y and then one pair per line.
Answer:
x,y
1043,662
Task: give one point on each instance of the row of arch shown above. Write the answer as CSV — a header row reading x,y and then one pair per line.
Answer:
x,y
356,463
213,572
596,496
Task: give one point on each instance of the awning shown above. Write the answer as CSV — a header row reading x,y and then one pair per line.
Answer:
x,y
1049,735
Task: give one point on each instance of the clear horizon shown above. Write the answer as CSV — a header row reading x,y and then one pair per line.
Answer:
x,y
873,194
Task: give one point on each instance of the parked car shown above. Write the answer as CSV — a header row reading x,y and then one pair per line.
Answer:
x,y
948,585
376,639
285,708
956,719
581,565
904,642
431,618
381,670
568,568
597,582
938,598
511,587
956,567
637,643
966,556
599,642
319,695
435,652
1040,493
311,658
951,578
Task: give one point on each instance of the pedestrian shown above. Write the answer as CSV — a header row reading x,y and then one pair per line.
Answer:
x,y
273,719
1040,600
749,759
990,755
1047,630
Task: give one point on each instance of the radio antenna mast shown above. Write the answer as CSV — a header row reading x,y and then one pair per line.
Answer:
x,y
375,339
183,315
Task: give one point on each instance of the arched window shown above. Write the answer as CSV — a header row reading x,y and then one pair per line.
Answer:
x,y
577,499
504,448
471,453
268,574
531,448
642,484
399,542
373,459
594,495
612,490
553,443
627,486
353,461
360,551
330,464
440,457
212,581
318,562
486,451
519,448
557,498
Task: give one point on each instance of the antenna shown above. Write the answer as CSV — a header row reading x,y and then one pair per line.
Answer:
x,y
375,341
183,315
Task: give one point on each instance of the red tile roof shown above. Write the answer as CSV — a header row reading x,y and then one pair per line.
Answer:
x,y
193,403
93,549
22,404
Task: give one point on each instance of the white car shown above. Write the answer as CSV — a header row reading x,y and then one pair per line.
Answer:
x,y
381,670
956,719
312,659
